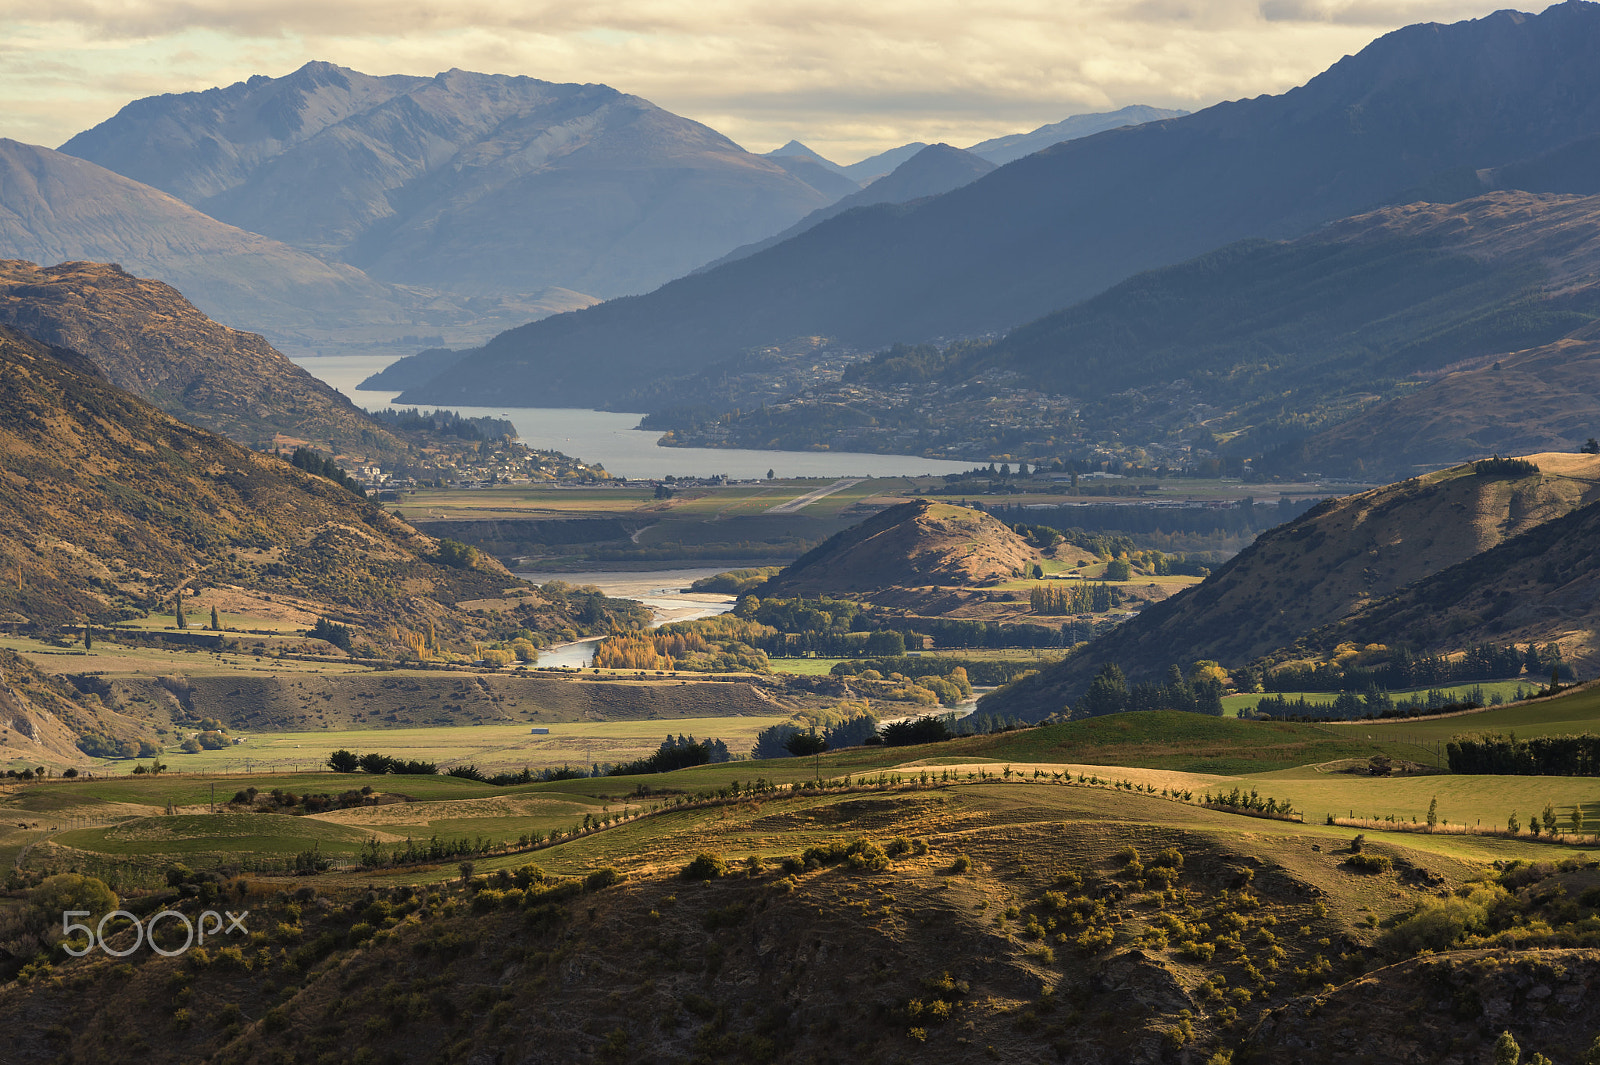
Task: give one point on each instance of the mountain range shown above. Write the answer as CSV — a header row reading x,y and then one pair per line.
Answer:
x,y
934,169
1421,105
481,184
997,150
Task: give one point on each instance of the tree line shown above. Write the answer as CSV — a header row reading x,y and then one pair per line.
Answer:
x,y
1079,598
1407,669
1542,756
678,752
1110,693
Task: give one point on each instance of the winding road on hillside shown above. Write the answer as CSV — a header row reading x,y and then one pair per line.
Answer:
x,y
801,502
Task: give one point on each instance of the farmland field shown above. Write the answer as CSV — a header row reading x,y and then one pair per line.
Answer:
x,y
493,748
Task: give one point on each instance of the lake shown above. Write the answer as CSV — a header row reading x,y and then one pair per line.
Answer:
x,y
611,439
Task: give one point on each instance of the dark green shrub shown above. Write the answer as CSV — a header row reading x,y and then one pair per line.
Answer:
x,y
1369,863
706,866
604,877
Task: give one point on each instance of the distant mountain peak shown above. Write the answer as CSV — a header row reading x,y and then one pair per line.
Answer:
x,y
1002,150
483,184
795,150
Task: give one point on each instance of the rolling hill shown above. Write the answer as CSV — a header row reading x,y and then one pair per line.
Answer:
x,y
1352,568
144,337
107,506
1065,223
470,183
912,545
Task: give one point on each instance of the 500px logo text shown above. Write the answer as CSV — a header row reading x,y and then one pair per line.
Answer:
x,y
210,924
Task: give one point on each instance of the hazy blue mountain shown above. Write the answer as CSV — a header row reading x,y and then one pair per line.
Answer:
x,y
818,173
1064,223
874,167
474,183
56,208
936,169
796,150
1002,150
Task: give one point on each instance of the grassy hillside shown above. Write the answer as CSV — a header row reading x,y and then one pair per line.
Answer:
x,y
913,544
1029,920
144,337
1327,568
1539,585
137,505
978,897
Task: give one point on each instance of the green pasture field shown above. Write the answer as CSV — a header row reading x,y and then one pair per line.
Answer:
x,y
787,825
119,659
1506,689
805,667
493,748
1283,760
1572,713
258,835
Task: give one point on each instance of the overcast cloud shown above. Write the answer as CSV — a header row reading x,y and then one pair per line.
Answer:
x,y
848,78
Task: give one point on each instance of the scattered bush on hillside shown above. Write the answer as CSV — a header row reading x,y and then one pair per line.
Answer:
x,y
456,555
1370,863
313,463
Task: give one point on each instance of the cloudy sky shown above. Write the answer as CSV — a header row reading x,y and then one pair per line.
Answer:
x,y
847,77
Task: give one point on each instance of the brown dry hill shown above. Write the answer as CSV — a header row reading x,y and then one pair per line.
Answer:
x,y
145,337
407,700
41,717
1448,1009
1501,400
1330,564
1543,399
1540,586
107,505
914,544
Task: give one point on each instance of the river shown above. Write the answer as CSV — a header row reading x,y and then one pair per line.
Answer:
x,y
665,592
611,439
